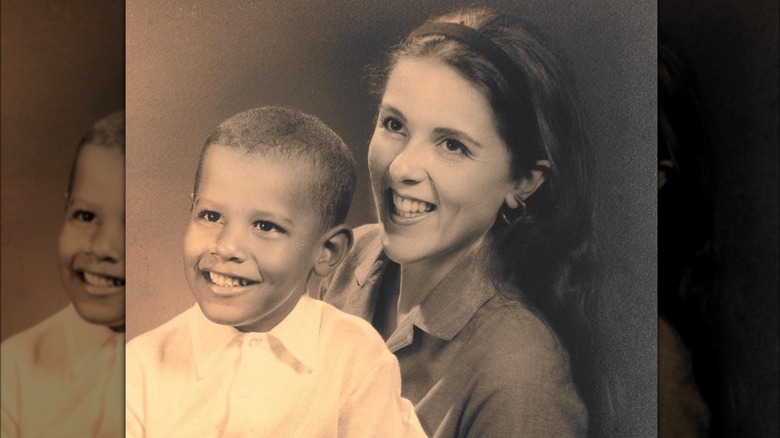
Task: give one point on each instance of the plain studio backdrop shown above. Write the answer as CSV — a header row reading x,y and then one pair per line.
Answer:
x,y
63,69
193,64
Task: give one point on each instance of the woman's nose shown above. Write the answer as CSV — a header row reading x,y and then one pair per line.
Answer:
x,y
408,166
108,242
230,245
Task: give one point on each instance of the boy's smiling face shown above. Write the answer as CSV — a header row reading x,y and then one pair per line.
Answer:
x,y
92,239
253,238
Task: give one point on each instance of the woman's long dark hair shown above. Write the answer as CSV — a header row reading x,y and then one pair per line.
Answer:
x,y
547,257
687,250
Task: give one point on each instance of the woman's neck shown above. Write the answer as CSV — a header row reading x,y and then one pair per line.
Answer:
x,y
418,279
403,290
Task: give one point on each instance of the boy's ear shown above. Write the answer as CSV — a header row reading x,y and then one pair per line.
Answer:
x,y
335,246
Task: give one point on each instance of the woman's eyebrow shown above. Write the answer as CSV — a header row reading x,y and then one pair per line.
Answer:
x,y
458,134
391,109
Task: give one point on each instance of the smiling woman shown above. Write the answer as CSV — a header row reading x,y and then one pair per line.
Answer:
x,y
479,274
425,166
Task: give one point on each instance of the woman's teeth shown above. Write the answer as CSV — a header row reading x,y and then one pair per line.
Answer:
x,y
225,281
406,207
102,280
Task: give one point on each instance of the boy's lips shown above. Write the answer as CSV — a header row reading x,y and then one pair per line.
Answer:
x,y
227,281
100,284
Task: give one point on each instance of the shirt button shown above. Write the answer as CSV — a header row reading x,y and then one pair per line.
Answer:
x,y
254,342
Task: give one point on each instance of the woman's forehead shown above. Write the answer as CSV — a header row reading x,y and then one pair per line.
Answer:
x,y
428,91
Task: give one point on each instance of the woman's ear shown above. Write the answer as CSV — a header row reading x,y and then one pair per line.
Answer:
x,y
526,187
336,243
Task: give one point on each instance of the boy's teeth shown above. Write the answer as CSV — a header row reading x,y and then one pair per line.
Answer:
x,y
408,207
225,281
102,281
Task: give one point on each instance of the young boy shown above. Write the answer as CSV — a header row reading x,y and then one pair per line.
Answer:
x,y
256,356
63,377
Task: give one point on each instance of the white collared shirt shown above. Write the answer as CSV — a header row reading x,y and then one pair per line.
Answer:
x,y
319,372
63,378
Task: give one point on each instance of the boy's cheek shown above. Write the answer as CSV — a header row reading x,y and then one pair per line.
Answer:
x,y
72,239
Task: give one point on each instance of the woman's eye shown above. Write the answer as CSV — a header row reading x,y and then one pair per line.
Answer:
x,y
393,124
268,227
84,216
211,216
455,146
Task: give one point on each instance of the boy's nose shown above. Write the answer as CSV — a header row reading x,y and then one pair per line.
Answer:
x,y
108,242
229,246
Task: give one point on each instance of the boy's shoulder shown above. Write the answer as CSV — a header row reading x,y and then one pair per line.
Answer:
x,y
163,340
40,340
345,335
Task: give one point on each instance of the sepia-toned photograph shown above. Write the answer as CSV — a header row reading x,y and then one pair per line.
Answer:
x,y
403,218
400,218
63,218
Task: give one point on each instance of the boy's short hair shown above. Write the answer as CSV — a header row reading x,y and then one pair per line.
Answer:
x,y
293,135
108,132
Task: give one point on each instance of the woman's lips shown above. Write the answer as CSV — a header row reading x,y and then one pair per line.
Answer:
x,y
407,207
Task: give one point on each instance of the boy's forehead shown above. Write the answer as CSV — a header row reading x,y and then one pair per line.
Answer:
x,y
300,165
92,157
99,177
301,171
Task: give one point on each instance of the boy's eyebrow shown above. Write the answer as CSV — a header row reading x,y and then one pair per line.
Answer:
x,y
273,216
264,213
85,203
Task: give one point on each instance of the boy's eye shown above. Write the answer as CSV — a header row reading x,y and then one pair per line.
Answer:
x,y
211,216
392,124
84,215
268,227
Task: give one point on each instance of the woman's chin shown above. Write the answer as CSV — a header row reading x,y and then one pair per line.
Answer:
x,y
400,249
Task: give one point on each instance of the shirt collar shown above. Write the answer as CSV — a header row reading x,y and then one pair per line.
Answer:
x,y
297,333
450,305
372,260
84,341
457,297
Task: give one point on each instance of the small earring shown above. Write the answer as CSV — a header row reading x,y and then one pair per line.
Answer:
x,y
521,204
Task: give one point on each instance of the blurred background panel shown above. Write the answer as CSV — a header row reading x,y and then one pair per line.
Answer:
x,y
190,65
63,68
732,48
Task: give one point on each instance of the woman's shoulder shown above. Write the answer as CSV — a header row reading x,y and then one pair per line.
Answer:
x,y
366,238
516,363
516,340
353,270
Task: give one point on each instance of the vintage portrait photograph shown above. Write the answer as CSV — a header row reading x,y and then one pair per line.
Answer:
x,y
401,218
63,218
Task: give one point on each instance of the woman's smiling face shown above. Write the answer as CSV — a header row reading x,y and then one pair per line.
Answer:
x,y
440,171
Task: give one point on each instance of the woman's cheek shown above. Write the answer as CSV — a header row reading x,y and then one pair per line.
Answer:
x,y
379,158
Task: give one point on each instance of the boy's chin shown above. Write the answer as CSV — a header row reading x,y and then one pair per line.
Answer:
x,y
108,314
222,314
